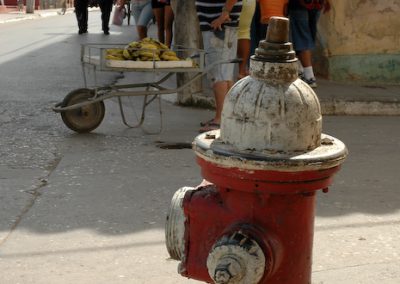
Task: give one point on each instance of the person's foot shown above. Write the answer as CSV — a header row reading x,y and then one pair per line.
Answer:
x,y
82,32
204,123
311,82
106,32
210,126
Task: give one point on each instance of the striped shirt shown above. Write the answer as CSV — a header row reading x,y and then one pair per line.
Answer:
x,y
209,10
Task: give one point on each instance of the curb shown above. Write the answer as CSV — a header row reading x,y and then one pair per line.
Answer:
x,y
373,108
330,106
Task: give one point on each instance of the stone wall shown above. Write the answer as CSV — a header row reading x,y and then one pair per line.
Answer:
x,y
52,4
359,41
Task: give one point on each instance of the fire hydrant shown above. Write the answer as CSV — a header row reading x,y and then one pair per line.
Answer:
x,y
253,222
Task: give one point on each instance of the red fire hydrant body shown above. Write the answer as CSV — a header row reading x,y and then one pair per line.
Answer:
x,y
253,222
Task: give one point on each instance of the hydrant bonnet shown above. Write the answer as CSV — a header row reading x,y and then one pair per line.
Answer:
x,y
272,110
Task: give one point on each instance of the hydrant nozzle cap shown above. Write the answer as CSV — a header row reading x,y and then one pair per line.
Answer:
x,y
276,47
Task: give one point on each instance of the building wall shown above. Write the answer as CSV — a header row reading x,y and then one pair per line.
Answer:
x,y
42,4
359,40
15,3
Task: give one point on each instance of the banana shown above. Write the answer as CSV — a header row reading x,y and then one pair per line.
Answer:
x,y
146,58
147,49
169,58
145,53
127,55
163,46
160,45
114,57
169,53
114,51
134,44
134,53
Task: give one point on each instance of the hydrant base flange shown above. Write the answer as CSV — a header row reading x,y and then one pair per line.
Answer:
x,y
331,153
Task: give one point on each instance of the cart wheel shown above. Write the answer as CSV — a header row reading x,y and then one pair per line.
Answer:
x,y
85,118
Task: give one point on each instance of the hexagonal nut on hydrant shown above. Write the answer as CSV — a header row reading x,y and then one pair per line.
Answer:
x,y
230,262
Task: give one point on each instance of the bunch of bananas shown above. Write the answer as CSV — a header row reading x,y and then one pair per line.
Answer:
x,y
115,54
147,49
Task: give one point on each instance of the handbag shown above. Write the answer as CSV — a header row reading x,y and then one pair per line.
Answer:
x,y
119,15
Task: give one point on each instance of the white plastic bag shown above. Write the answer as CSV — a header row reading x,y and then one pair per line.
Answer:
x,y
119,15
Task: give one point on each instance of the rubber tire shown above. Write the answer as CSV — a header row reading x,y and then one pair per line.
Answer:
x,y
84,119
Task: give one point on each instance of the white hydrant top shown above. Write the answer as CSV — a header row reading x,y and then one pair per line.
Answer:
x,y
272,110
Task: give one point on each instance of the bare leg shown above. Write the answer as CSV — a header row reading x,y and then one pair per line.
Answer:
x,y
220,91
305,58
243,53
230,84
142,32
308,72
159,14
169,19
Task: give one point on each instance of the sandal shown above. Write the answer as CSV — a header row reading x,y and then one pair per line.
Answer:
x,y
209,127
204,123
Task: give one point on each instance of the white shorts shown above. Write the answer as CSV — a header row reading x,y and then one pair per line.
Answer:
x,y
218,49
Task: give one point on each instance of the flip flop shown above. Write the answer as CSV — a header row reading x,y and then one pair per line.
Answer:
x,y
206,122
209,127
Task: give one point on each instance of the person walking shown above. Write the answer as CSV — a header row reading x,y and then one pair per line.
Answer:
x,y
81,11
164,18
218,21
142,13
304,16
105,8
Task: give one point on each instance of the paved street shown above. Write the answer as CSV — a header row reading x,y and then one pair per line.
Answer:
x,y
91,208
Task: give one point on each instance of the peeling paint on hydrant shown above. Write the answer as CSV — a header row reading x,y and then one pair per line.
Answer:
x,y
252,221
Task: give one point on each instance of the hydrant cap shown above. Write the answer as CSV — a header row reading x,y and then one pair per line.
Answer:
x,y
272,110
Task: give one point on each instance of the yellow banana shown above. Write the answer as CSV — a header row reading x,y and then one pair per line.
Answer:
x,y
169,58
134,44
114,57
169,53
145,53
114,51
134,53
126,54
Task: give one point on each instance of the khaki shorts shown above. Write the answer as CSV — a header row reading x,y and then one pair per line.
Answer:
x,y
218,49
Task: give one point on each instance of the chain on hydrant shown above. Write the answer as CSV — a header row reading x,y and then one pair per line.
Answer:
x,y
253,220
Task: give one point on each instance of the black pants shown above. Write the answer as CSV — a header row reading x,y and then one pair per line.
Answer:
x,y
106,8
81,11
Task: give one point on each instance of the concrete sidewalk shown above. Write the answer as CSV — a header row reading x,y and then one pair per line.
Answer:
x,y
336,98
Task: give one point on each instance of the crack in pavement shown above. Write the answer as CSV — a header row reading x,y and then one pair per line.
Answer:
x,y
35,192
